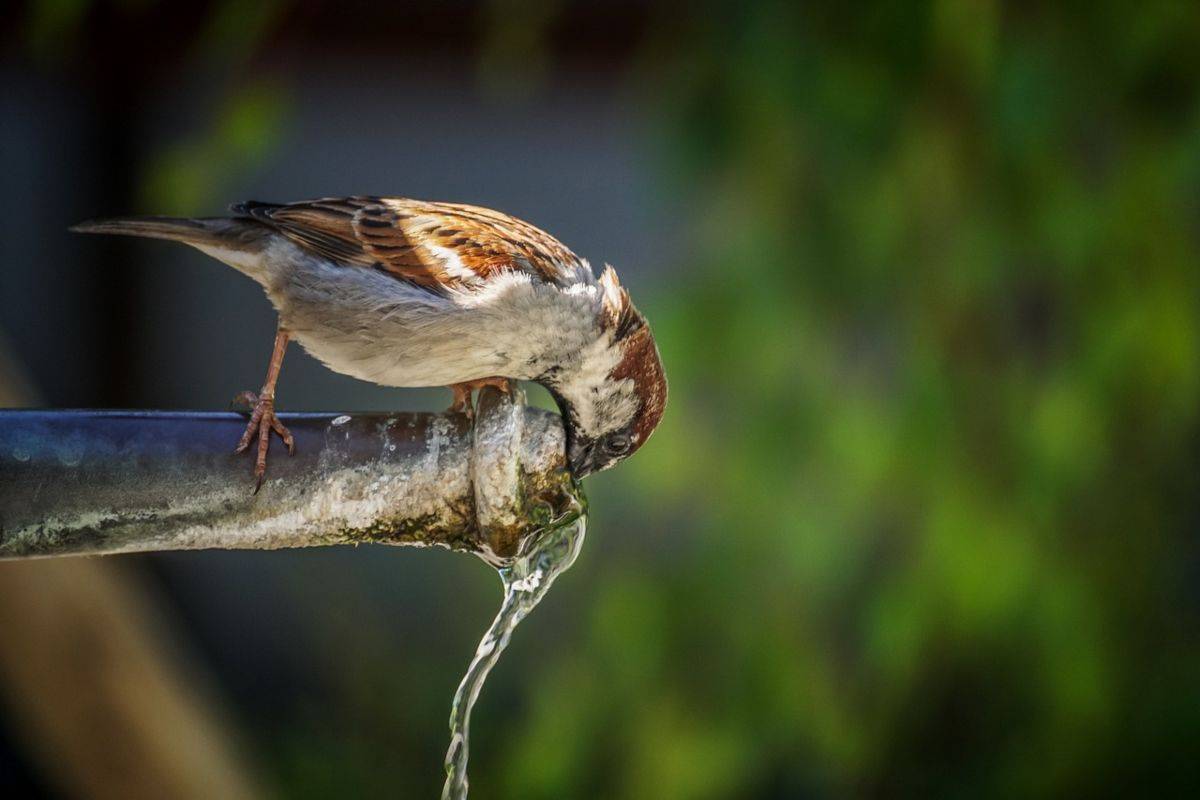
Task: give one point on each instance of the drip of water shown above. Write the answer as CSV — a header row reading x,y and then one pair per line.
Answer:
x,y
526,580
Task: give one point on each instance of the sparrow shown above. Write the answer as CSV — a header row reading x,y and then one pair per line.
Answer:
x,y
408,293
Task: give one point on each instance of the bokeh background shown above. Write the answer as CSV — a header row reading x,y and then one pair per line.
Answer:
x,y
921,519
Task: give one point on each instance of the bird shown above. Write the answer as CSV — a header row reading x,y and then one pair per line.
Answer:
x,y
408,293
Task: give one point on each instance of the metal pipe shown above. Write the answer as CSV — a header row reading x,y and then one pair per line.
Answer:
x,y
98,482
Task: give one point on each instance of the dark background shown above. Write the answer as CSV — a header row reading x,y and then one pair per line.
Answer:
x,y
921,517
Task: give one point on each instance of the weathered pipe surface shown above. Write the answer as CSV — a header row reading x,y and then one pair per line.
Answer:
x,y
92,482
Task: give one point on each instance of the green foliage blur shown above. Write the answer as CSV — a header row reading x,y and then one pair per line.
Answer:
x,y
931,450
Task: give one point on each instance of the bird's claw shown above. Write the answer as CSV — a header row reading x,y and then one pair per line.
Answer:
x,y
262,421
505,385
462,393
461,404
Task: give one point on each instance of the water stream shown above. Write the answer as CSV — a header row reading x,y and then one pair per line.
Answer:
x,y
545,556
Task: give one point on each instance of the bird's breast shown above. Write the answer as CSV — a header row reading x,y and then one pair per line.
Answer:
x,y
371,326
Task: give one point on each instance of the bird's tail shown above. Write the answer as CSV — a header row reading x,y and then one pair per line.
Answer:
x,y
210,232
236,242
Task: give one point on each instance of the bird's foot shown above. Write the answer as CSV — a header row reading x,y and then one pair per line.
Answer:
x,y
462,393
262,422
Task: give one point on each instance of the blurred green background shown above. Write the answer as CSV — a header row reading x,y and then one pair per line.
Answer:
x,y
921,518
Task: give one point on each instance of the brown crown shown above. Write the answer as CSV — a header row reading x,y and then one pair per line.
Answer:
x,y
640,361
642,364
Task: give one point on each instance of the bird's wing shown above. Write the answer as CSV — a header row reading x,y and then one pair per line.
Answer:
x,y
435,245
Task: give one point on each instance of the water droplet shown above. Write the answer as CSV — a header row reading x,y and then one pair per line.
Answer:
x,y
526,580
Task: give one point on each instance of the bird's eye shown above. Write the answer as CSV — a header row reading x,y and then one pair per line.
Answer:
x,y
617,445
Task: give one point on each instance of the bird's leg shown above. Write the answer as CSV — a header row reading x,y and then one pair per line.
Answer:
x,y
462,393
262,417
461,404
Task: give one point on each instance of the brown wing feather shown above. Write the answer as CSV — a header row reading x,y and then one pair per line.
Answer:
x,y
436,245
320,226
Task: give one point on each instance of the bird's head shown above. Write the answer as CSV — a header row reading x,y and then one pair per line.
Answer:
x,y
613,397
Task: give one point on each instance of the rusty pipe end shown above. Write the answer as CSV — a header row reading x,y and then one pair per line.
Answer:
x,y
85,482
519,472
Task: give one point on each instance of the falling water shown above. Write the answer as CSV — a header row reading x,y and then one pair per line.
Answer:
x,y
526,580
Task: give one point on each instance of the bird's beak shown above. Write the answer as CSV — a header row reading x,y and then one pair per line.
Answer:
x,y
581,457
581,451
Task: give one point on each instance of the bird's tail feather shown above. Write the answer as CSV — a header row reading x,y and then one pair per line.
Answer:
x,y
202,232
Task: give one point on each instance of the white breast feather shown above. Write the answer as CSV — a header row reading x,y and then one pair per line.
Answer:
x,y
371,326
